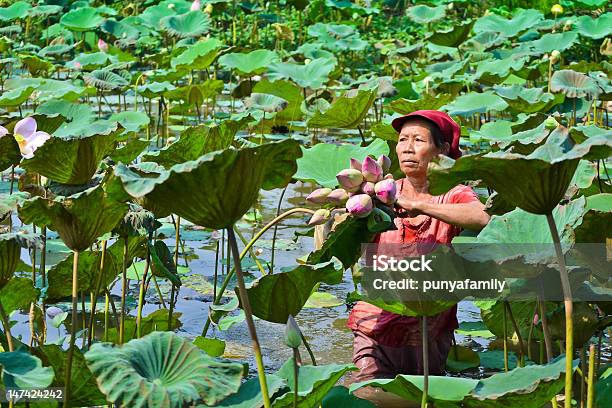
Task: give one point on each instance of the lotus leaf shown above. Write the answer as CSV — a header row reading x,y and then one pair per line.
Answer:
x,y
423,14
527,100
188,25
17,294
554,41
10,252
82,19
474,102
313,75
197,56
346,112
15,11
520,21
17,96
574,84
148,371
287,91
595,28
461,358
452,37
120,29
254,62
404,106
249,395
9,152
265,102
105,79
339,397
23,370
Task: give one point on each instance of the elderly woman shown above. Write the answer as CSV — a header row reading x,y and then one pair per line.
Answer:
x,y
386,344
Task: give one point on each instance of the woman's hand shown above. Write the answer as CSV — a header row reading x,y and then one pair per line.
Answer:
x,y
407,207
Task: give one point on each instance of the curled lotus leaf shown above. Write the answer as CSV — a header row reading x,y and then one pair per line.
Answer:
x,y
346,112
452,37
574,84
105,79
265,102
161,369
188,25
10,253
312,75
9,152
423,14
82,19
250,63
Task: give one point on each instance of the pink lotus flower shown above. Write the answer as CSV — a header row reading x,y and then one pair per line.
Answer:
x,y
384,162
386,191
319,196
338,196
320,217
367,187
102,45
350,179
360,205
371,170
28,138
3,131
355,164
196,5
77,65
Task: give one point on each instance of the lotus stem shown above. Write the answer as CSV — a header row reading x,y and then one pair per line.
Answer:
x,y
244,252
123,291
96,293
308,349
75,287
141,294
530,335
245,242
545,331
161,297
296,373
583,379
177,241
216,270
246,305
567,301
106,317
7,328
591,377
505,323
278,208
424,338
518,334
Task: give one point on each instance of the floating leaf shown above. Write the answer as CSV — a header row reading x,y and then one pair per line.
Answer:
x,y
249,395
254,62
461,358
595,28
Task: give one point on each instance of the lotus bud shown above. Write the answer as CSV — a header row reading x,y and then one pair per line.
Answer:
x,y
360,205
550,123
556,9
450,6
385,162
379,221
386,191
102,45
350,179
319,196
355,164
367,188
307,61
293,335
371,170
77,65
320,217
555,56
196,5
338,197
54,311
388,176
208,9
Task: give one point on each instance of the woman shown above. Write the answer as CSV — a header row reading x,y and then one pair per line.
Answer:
x,y
386,344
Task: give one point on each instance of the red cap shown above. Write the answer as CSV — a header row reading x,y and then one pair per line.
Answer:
x,y
448,127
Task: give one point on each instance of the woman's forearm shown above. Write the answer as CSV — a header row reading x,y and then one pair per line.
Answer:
x,y
464,215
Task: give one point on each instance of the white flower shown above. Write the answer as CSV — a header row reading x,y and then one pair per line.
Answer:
x,y
28,138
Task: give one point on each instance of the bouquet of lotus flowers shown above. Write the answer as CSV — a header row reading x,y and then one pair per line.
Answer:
x,y
363,191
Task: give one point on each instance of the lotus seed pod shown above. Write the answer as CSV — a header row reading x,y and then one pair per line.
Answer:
x,y
385,162
54,311
371,170
338,197
293,337
551,123
350,179
555,56
319,196
386,191
359,205
320,217
388,176
367,188
355,164
379,221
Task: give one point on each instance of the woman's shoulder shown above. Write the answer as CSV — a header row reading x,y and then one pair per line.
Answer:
x,y
459,194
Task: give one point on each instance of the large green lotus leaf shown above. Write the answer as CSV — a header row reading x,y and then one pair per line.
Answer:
x,y
151,16
155,89
17,96
595,28
161,369
405,106
85,391
603,388
423,14
15,11
82,19
574,84
323,161
495,71
339,397
197,56
474,102
105,80
276,296
188,25
17,294
23,370
529,387
597,221
528,100
10,202
254,62
72,160
535,183
287,91
520,21
452,37
345,113
91,61
405,308
130,120
217,189
554,41
78,219
314,382
120,29
445,392
265,102
249,395
313,75
461,358
337,37
521,311
10,254
197,141
9,152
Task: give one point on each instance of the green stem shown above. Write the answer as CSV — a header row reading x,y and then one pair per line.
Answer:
x,y
567,301
296,373
106,302
7,328
95,294
141,294
425,361
505,323
518,334
590,381
123,292
177,241
308,349
278,208
75,286
246,306
245,242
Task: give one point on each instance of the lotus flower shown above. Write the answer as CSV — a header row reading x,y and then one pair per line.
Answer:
x,y
367,187
28,138
371,170
54,311
77,65
360,205
555,56
320,216
350,179
355,164
3,131
102,45
319,196
384,162
386,191
196,5
338,197
556,9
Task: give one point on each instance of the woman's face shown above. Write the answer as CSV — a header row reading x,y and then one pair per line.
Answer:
x,y
416,148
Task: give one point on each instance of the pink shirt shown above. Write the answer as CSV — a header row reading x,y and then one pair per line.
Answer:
x,y
396,330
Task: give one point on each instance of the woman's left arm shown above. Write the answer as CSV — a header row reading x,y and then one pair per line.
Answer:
x,y
463,215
